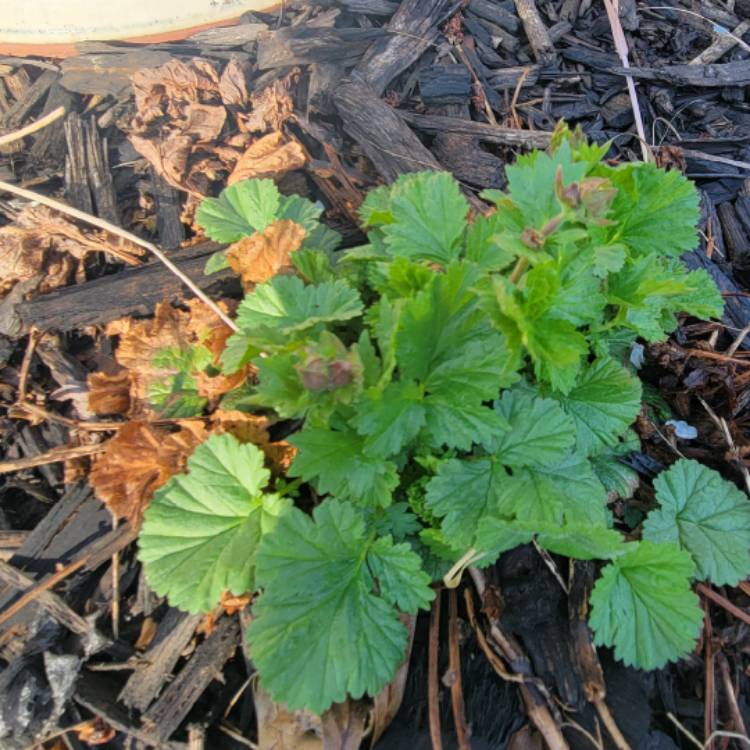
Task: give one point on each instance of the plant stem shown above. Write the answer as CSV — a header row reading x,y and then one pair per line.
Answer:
x,y
521,265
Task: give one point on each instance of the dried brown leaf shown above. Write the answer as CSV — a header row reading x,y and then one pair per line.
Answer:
x,y
271,107
233,83
139,460
109,394
253,428
264,254
42,240
269,155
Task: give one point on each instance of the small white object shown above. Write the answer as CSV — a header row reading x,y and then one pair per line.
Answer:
x,y
637,355
682,429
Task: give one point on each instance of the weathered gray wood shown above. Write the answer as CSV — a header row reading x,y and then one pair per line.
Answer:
x,y
481,130
172,636
384,136
108,74
495,13
99,173
77,191
49,143
130,292
31,98
413,28
716,75
536,31
163,718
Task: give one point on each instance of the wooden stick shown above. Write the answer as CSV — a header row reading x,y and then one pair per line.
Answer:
x,y
536,31
44,586
95,221
32,127
454,660
717,598
433,690
62,453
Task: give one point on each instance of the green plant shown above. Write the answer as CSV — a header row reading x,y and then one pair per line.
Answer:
x,y
462,393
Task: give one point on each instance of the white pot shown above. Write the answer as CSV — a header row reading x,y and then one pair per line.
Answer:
x,y
52,27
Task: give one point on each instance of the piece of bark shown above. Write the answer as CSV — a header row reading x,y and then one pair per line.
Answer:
x,y
445,84
31,98
302,45
77,191
381,133
510,78
167,207
721,45
49,143
464,157
161,657
228,36
482,131
97,692
163,718
108,74
134,291
413,28
536,32
715,75
99,173
324,77
495,13
500,37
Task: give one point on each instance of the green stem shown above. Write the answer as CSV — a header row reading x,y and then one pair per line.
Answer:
x,y
521,265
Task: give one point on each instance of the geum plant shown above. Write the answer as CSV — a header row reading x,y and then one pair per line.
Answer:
x,y
460,392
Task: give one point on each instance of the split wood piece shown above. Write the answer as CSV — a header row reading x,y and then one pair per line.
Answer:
x,y
722,44
534,700
99,172
495,13
77,191
736,304
56,455
31,98
39,594
49,143
167,207
302,45
384,136
172,636
433,685
454,661
163,718
10,541
715,75
134,291
412,29
536,32
97,692
482,131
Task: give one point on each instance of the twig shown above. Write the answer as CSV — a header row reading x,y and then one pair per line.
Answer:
x,y
118,231
63,453
609,722
35,336
709,740
433,701
738,341
710,689
40,588
621,45
454,661
734,709
32,127
115,587
717,598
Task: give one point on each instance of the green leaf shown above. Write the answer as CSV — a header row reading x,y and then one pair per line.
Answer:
x,y
643,606
326,625
240,210
656,211
391,419
340,466
217,262
706,516
577,541
402,582
457,422
481,246
429,217
285,304
538,431
464,493
201,530
376,207
603,404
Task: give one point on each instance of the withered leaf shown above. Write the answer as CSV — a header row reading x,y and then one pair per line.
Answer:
x,y
139,460
271,107
262,255
109,394
270,155
233,83
253,428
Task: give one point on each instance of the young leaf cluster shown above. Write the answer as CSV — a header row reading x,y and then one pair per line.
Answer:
x,y
460,390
